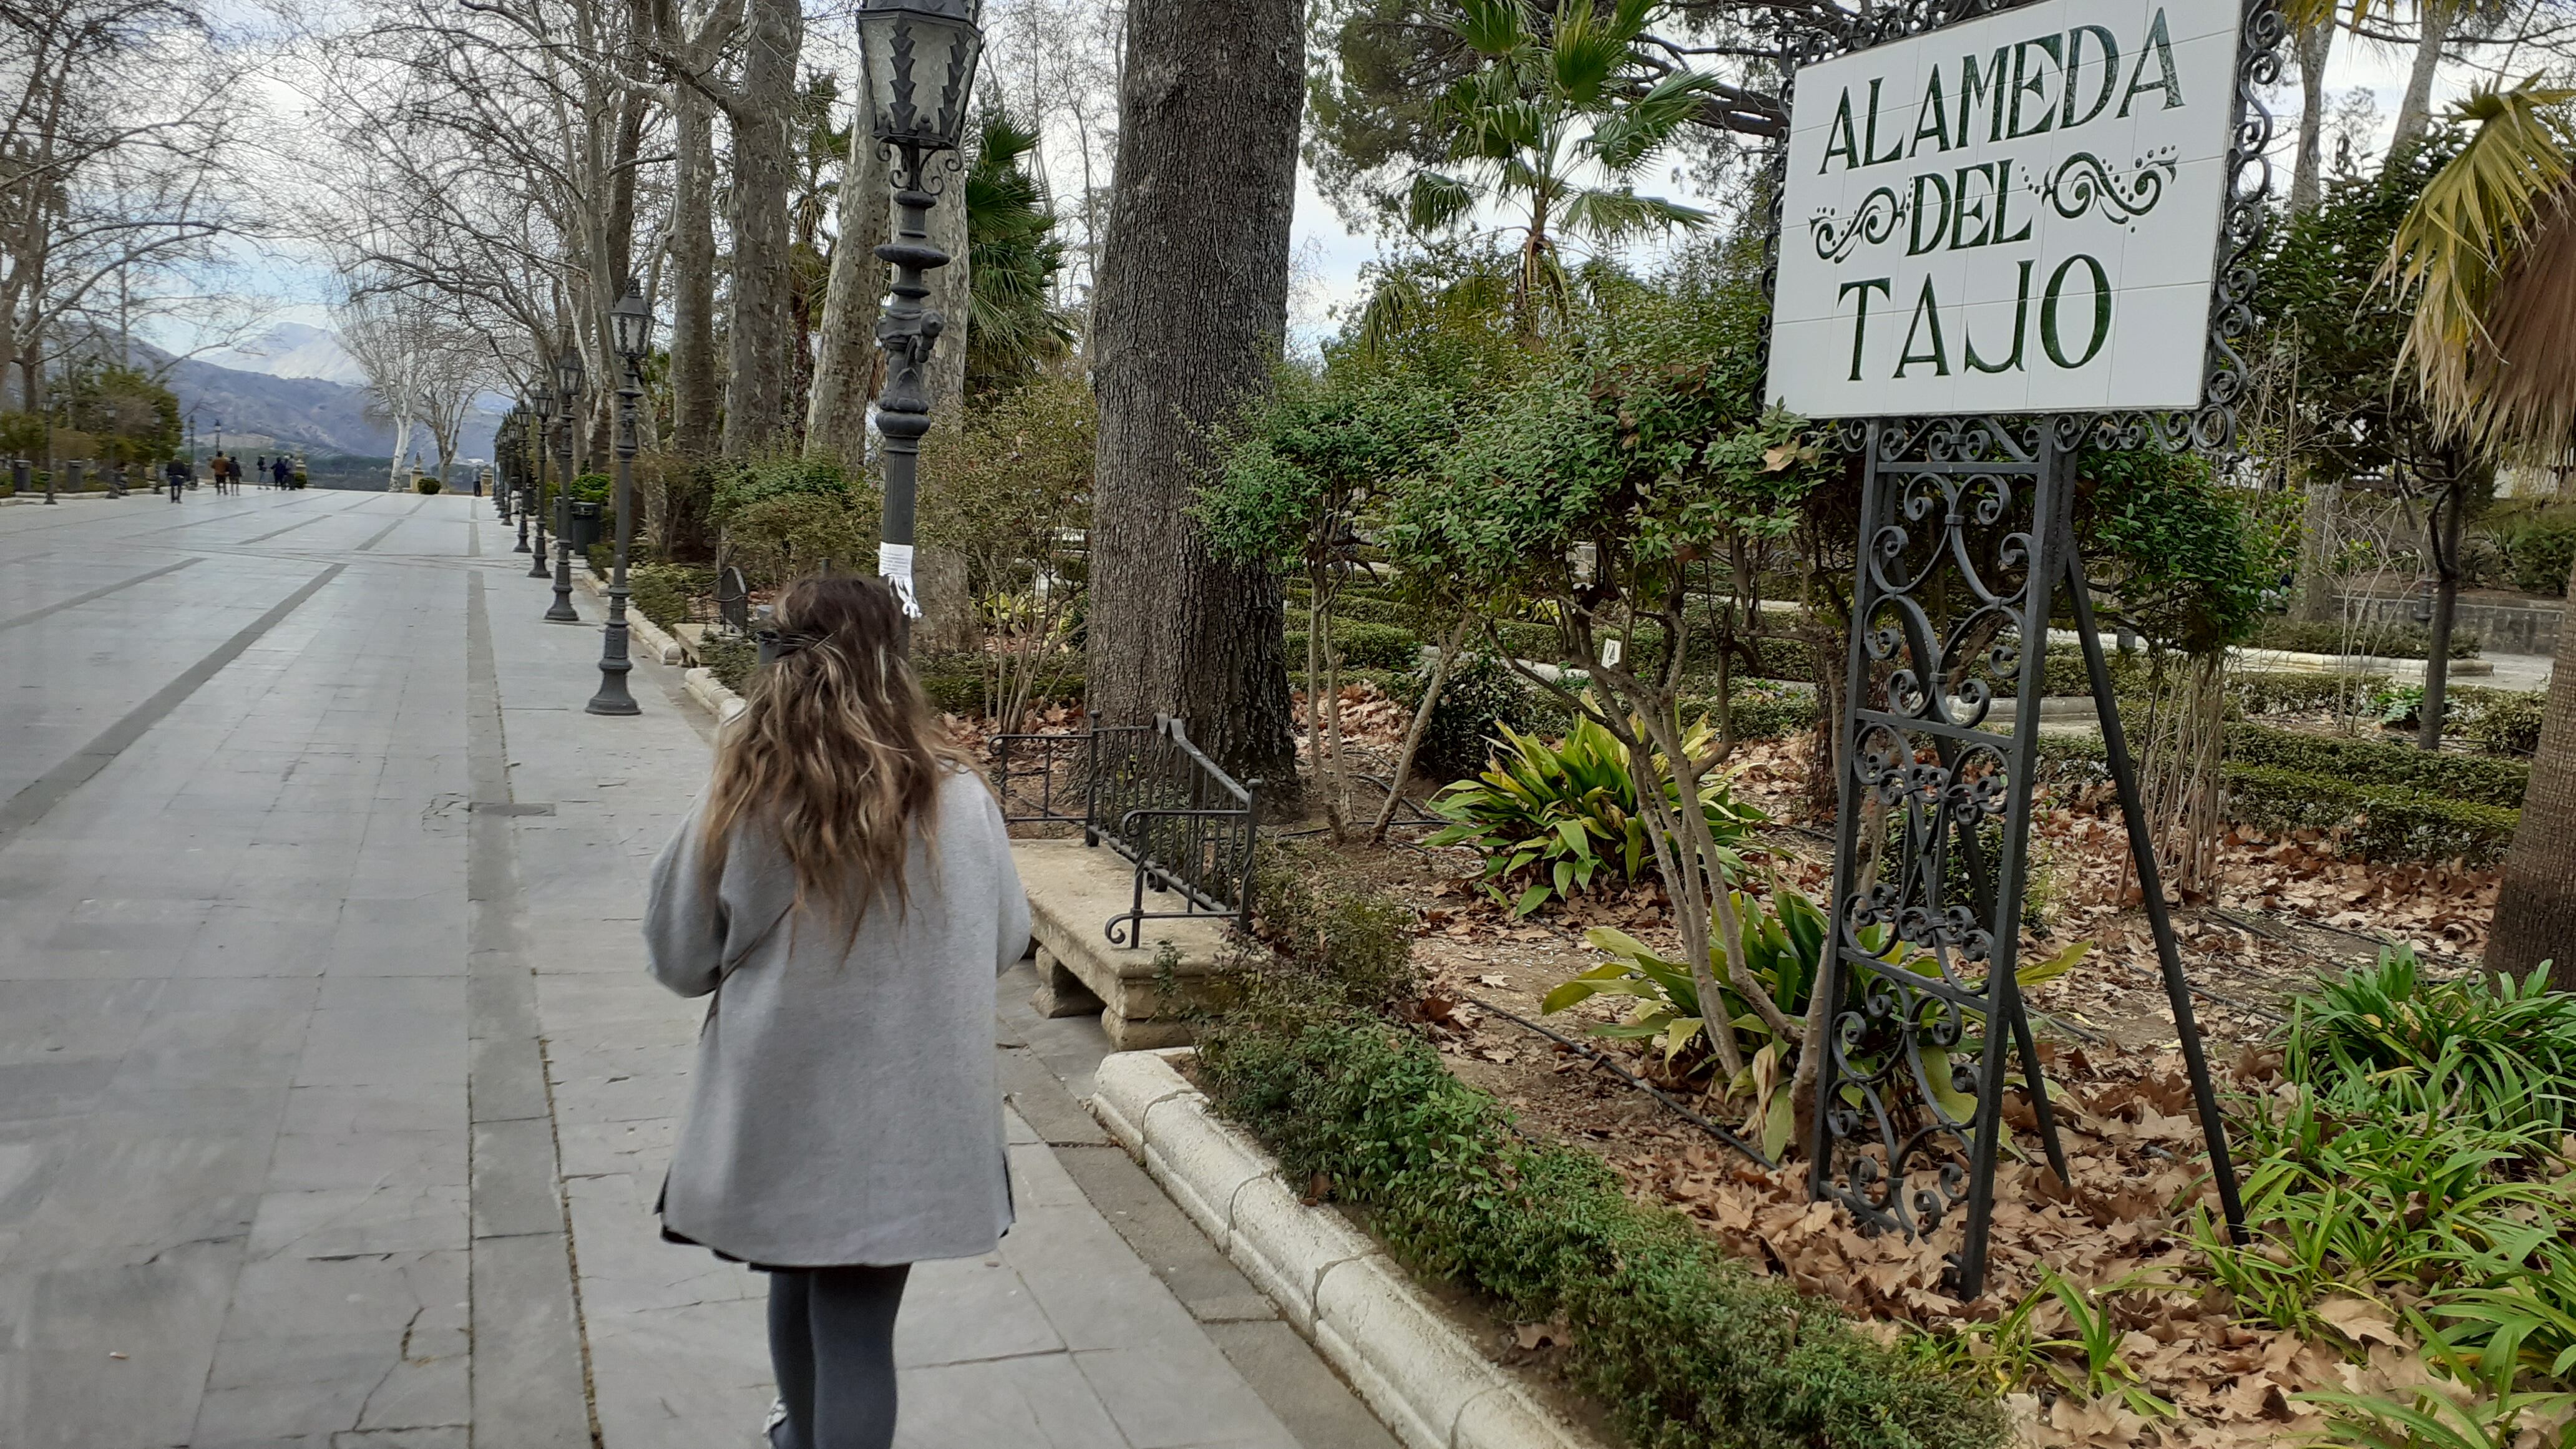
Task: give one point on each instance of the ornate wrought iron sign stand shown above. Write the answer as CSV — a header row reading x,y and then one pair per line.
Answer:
x,y
1967,537
1967,542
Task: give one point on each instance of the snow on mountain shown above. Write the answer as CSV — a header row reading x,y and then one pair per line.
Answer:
x,y
291,349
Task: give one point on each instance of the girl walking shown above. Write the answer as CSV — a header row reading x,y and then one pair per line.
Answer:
x,y
844,889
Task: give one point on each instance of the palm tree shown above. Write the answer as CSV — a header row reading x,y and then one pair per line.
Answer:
x,y
1012,258
2487,260
1554,104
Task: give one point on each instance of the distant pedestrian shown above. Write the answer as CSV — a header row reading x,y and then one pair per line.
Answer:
x,y
175,473
844,1121
279,473
221,468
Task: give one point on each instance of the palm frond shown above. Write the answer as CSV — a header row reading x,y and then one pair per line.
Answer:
x,y
1436,201
2460,239
1637,130
1492,27
1584,55
1607,214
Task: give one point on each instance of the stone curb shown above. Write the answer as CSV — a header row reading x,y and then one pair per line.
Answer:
x,y
1421,1376
703,686
643,636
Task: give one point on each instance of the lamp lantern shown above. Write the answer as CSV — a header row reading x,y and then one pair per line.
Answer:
x,y
919,57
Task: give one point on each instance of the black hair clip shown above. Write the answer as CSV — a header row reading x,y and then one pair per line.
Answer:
x,y
776,643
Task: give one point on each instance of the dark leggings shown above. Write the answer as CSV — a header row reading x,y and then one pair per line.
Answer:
x,y
831,1342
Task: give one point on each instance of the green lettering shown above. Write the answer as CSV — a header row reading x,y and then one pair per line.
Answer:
x,y
1933,119
1839,140
1959,238
2030,80
1917,242
2021,324
2075,66
1926,309
1871,157
2159,45
1860,314
2003,201
1973,85
2101,311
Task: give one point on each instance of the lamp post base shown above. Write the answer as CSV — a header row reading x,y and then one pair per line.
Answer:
x,y
562,611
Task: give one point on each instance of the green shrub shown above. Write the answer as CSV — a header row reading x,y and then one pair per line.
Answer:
x,y
592,488
955,683
2378,822
779,478
1369,646
788,535
2499,721
1762,709
2538,550
2381,641
2386,1039
664,592
2471,778
1550,819
1336,941
2293,691
1481,697
729,659
426,484
1686,1347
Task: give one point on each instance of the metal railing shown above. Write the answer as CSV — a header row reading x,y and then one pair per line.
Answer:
x,y
1149,794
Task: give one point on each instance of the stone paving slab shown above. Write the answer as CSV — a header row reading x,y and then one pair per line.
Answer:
x,y
326,1051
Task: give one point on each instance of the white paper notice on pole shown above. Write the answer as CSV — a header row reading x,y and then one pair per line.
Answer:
x,y
2015,214
894,565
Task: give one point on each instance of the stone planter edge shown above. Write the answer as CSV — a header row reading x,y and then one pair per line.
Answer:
x,y
1422,1377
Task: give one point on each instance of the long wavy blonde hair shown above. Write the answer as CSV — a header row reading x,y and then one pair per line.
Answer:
x,y
835,754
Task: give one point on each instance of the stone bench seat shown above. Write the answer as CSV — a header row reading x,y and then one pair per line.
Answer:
x,y
1144,993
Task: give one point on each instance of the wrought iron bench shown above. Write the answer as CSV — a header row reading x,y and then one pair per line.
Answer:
x,y
1149,794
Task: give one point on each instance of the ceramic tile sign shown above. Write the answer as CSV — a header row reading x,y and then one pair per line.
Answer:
x,y
2015,214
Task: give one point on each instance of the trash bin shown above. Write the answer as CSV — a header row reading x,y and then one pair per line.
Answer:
x,y
585,527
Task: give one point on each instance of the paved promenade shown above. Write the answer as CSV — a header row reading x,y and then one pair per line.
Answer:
x,y
333,1096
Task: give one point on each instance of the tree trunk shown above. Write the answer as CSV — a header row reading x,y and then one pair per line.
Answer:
x,y
693,275
1191,313
2306,184
2317,547
2415,111
845,345
2444,528
2535,915
759,334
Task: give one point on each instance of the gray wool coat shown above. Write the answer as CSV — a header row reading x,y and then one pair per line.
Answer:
x,y
845,1108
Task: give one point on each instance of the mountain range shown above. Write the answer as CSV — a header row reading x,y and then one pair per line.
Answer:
x,y
294,385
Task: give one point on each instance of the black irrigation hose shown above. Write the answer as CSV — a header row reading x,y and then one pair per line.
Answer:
x,y
1640,1083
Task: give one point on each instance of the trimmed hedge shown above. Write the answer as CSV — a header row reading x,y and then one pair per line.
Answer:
x,y
2282,691
2376,821
1368,646
661,592
1686,1346
2477,779
729,660
2380,822
2499,721
2383,641
955,683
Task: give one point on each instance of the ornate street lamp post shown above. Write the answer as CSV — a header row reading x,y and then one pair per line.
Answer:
x,y
632,320
568,396
504,469
920,60
545,401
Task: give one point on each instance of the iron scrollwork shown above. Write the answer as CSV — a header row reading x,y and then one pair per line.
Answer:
x,y
1949,617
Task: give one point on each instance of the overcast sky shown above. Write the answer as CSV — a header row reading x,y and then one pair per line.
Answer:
x,y
294,283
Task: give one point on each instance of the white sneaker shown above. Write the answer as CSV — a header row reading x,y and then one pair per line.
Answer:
x,y
777,1417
